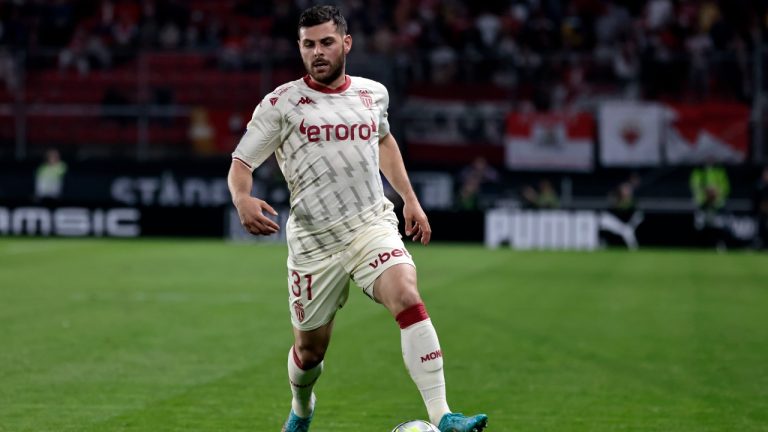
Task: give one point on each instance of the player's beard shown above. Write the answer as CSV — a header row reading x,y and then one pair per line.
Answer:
x,y
333,72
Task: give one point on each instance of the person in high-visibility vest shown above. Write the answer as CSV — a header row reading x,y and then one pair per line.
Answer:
x,y
710,187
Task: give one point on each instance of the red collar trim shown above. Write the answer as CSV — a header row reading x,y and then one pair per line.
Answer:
x,y
323,89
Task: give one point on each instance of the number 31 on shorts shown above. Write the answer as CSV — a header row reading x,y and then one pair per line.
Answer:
x,y
298,281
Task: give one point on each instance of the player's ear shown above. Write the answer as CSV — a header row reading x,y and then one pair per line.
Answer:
x,y
347,44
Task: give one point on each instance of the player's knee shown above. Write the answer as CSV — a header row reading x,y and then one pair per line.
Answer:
x,y
410,298
407,294
309,355
397,289
407,298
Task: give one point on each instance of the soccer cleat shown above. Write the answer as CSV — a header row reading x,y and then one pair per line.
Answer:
x,y
296,423
457,422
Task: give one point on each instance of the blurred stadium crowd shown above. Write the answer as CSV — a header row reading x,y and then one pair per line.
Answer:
x,y
647,48
489,99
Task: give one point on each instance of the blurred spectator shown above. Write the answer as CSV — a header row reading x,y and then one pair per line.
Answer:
x,y
673,46
624,218
622,198
626,67
87,50
710,188
49,178
659,13
473,177
761,209
201,132
543,198
8,70
622,201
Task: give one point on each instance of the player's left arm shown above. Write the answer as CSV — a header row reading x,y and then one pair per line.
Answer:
x,y
391,164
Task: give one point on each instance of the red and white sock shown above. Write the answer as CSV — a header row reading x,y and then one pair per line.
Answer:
x,y
424,359
302,381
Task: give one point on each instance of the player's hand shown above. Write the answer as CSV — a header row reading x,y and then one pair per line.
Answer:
x,y
251,211
416,222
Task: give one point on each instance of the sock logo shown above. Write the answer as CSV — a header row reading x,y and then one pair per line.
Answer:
x,y
301,386
384,257
431,356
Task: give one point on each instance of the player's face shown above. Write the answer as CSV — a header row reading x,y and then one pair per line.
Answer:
x,y
324,52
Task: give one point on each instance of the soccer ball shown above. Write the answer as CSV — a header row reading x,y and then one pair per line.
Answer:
x,y
416,426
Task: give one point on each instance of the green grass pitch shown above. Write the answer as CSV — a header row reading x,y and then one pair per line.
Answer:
x,y
180,335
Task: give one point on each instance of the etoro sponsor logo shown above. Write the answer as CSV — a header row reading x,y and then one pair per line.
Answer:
x,y
338,132
70,221
386,256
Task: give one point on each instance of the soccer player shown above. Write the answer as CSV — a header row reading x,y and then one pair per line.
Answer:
x,y
330,134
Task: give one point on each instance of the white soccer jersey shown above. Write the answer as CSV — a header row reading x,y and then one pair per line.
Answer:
x,y
327,145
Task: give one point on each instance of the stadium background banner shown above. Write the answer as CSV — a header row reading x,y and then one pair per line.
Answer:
x,y
441,129
190,199
549,141
706,132
635,134
518,229
94,220
630,134
590,229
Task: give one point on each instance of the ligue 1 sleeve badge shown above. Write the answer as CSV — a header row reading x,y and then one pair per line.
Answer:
x,y
365,97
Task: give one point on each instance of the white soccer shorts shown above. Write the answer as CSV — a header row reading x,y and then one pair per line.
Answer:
x,y
317,289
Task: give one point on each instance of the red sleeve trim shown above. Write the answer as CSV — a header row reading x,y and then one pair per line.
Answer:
x,y
414,314
323,89
242,162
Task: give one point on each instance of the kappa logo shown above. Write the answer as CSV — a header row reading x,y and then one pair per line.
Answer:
x,y
273,101
304,101
431,356
386,256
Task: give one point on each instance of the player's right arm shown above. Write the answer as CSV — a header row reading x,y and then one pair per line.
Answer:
x,y
261,139
250,209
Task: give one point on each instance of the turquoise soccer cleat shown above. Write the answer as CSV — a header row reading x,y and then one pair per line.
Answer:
x,y
457,422
296,423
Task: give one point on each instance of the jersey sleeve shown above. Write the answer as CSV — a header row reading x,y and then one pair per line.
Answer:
x,y
262,136
384,116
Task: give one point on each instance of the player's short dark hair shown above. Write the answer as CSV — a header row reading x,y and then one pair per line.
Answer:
x,y
317,15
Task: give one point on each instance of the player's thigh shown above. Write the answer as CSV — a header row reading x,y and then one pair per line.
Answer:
x,y
396,288
316,290
383,250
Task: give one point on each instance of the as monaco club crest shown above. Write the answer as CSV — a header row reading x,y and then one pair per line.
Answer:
x,y
365,97
630,133
298,309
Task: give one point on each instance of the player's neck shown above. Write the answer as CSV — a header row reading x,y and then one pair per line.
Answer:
x,y
335,86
